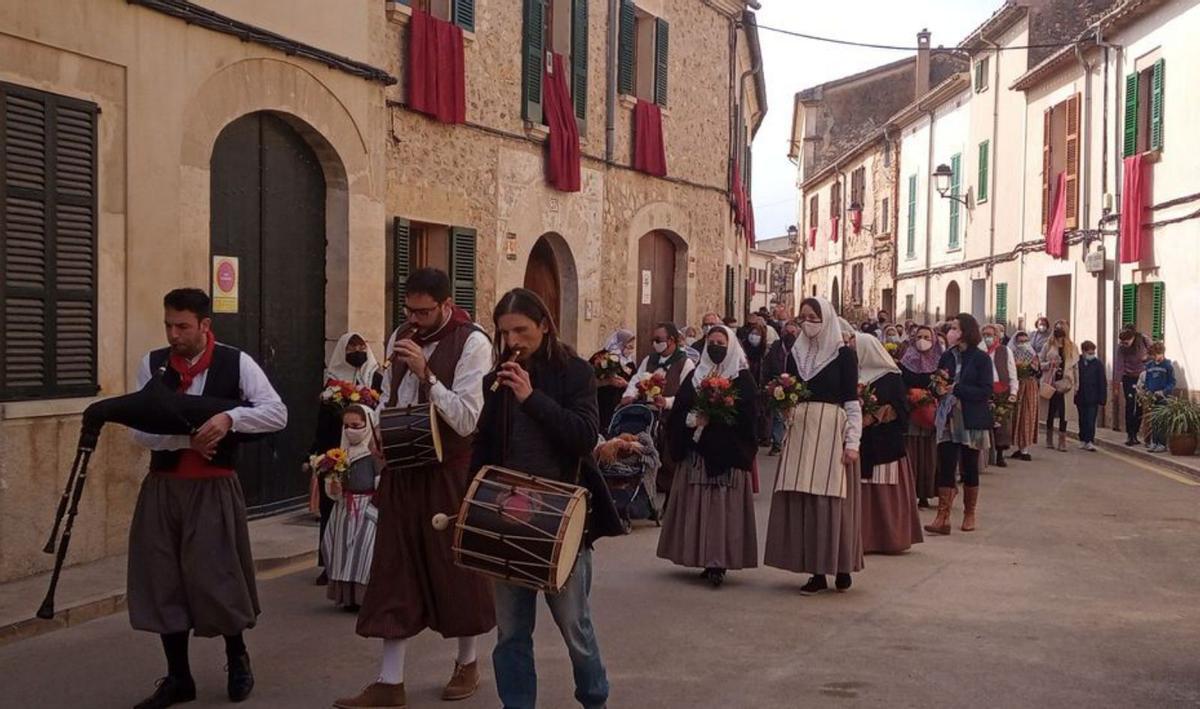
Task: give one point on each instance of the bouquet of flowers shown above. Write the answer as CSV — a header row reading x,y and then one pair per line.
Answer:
x,y
1001,406
938,381
333,462
870,402
784,392
607,364
652,387
341,393
923,406
717,399
893,349
1025,370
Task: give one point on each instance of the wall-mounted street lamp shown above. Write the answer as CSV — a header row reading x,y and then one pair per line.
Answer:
x,y
793,234
942,177
855,212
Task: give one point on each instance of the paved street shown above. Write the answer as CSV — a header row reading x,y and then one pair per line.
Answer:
x,y
1079,590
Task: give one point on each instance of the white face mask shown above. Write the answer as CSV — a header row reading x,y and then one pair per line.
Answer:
x,y
1043,328
660,347
755,339
924,345
989,340
356,436
811,329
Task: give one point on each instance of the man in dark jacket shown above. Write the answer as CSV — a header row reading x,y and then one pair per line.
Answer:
x,y
1090,394
542,420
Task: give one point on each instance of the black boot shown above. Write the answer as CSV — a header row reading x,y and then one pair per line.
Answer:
x,y
171,690
716,577
1000,459
816,584
241,678
842,582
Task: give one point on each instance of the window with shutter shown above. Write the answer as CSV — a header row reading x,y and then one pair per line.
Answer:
x,y
1128,304
729,304
401,267
1130,128
1143,115
643,54
464,14
627,47
47,245
910,250
1072,161
982,190
1002,303
662,35
1047,168
955,187
462,268
1156,104
908,306
555,27
533,41
1158,317
579,60
885,216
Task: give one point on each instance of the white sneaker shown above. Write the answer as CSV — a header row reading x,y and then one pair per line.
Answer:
x,y
1089,447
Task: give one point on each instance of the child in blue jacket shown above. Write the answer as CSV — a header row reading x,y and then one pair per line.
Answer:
x,y
1158,380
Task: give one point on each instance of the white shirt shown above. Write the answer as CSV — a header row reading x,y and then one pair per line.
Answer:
x,y
265,414
459,406
1013,383
642,373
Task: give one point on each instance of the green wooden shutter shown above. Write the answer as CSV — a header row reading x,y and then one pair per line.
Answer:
x,y
983,170
534,53
462,268
464,14
579,57
1128,304
626,48
1156,105
729,304
979,69
1131,114
662,41
1158,317
1002,303
955,165
401,233
911,250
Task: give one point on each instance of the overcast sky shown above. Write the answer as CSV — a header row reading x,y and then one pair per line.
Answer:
x,y
792,64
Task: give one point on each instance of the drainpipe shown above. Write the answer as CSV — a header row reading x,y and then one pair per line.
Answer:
x,y
1084,170
1118,53
842,196
928,212
993,160
610,108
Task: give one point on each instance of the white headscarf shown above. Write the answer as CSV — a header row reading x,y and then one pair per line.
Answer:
x,y
873,360
360,450
735,359
813,354
339,368
616,344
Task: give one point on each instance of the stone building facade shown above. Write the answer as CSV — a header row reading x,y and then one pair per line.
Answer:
x,y
276,133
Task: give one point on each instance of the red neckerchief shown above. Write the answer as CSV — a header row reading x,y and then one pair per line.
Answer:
x,y
188,371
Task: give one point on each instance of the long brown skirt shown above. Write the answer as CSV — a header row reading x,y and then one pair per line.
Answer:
x,y
190,564
710,526
815,534
890,523
921,448
414,581
1025,415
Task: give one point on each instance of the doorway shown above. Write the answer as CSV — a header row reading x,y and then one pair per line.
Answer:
x,y
979,299
267,209
542,277
836,297
656,286
953,304
1058,298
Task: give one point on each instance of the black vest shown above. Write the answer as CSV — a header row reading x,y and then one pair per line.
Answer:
x,y
224,380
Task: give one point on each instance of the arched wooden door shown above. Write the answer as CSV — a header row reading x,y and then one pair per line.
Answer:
x,y
953,300
836,299
268,210
656,286
542,277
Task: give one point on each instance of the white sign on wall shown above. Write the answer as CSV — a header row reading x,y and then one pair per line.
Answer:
x,y
225,284
646,283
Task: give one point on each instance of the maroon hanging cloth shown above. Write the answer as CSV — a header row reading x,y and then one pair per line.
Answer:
x,y
856,221
649,154
1056,242
436,70
812,237
737,195
1133,205
562,160
833,228
749,225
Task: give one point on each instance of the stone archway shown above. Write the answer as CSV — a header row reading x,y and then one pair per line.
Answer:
x,y
551,273
953,300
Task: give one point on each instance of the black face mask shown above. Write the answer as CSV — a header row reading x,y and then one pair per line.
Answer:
x,y
356,359
717,353
1058,332
789,340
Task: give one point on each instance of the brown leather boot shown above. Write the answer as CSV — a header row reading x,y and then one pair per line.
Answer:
x,y
463,682
1062,440
970,498
377,695
941,523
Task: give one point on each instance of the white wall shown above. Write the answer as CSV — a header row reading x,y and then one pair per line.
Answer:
x,y
949,138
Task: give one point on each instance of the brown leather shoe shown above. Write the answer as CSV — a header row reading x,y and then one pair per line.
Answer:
x,y
970,499
377,695
463,682
941,523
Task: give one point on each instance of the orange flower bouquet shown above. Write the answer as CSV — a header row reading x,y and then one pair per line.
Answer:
x,y
716,399
341,394
652,387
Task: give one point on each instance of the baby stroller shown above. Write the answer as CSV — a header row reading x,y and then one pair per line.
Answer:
x,y
629,470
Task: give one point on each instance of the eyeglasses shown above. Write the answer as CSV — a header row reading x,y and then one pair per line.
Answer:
x,y
420,312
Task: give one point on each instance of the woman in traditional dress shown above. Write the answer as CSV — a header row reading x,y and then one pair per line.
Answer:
x,y
609,390
1025,417
1006,383
1059,358
890,522
349,540
816,525
352,361
710,515
964,420
917,366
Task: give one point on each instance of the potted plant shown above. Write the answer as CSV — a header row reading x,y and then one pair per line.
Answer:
x,y
1177,420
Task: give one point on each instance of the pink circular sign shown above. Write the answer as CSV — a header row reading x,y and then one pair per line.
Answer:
x,y
226,276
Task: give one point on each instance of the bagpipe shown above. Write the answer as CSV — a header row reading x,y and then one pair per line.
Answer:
x,y
154,409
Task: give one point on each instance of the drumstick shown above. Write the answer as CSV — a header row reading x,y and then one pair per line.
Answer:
x,y
441,521
512,357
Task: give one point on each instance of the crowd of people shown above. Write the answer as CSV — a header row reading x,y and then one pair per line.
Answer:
x,y
865,424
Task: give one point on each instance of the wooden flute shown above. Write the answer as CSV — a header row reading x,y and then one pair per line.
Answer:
x,y
512,357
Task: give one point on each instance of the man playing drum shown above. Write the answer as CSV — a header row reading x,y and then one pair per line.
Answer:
x,y
439,356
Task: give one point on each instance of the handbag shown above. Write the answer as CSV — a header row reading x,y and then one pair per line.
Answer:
x,y
1046,390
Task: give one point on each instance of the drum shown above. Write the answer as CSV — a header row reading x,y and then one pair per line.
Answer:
x,y
410,437
521,529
